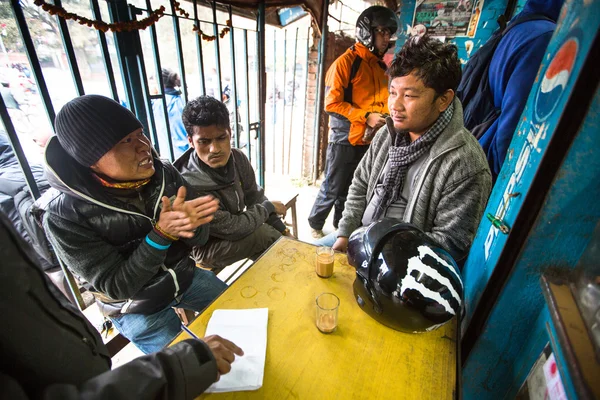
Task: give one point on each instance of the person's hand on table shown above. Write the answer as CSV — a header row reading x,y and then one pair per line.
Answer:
x,y
341,244
224,352
279,208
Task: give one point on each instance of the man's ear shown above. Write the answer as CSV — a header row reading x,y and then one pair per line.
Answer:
x,y
190,141
444,101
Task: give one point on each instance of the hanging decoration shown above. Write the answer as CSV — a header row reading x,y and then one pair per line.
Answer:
x,y
101,25
130,25
197,29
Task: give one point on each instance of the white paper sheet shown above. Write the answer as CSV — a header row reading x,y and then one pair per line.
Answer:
x,y
248,330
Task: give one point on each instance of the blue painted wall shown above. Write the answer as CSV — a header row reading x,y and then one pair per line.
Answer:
x,y
562,228
525,152
492,9
512,339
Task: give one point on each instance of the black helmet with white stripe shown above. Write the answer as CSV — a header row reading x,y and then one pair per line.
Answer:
x,y
371,18
403,279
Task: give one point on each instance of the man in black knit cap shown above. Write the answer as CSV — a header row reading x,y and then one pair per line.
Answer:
x,y
123,221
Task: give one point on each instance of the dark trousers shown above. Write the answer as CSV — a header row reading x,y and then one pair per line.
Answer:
x,y
342,161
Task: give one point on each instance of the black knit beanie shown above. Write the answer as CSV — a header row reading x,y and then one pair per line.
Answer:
x,y
89,126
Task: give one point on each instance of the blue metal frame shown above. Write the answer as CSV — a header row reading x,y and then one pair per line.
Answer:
x,y
493,253
569,211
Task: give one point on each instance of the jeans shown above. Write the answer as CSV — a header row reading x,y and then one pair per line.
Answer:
x,y
327,240
151,333
342,161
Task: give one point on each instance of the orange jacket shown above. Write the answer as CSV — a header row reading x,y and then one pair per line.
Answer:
x,y
369,94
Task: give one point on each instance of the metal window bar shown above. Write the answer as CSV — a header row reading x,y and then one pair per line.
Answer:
x,y
233,96
289,154
72,283
308,36
127,45
247,90
199,47
320,85
274,99
33,60
18,150
178,46
148,101
217,49
158,67
260,40
105,54
113,15
69,51
284,99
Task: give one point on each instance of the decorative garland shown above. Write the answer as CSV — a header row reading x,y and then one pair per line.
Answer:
x,y
100,25
130,25
197,29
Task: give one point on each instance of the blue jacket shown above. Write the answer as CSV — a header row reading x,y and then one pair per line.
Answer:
x,y
175,106
512,72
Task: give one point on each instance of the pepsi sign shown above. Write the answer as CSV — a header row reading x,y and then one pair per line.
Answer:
x,y
555,79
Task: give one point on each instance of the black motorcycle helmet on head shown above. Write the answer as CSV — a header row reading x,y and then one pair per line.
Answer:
x,y
403,279
371,18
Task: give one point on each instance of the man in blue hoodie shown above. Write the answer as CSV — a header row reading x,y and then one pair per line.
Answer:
x,y
513,69
175,104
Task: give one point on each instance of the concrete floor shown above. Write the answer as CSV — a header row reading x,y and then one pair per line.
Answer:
x,y
278,188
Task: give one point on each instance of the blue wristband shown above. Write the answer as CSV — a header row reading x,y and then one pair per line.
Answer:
x,y
156,245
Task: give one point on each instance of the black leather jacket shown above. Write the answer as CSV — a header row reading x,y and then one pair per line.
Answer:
x,y
101,235
49,349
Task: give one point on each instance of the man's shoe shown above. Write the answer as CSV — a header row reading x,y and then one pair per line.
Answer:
x,y
317,233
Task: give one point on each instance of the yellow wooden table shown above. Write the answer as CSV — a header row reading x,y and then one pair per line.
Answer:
x,y
362,359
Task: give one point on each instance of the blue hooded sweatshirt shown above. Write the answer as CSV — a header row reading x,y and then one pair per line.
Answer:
x,y
513,69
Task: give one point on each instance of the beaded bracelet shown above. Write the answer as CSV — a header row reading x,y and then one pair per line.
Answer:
x,y
164,234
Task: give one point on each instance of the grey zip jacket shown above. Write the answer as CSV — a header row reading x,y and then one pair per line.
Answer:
x,y
450,191
243,206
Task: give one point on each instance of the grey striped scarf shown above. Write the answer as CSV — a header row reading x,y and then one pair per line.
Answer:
x,y
402,154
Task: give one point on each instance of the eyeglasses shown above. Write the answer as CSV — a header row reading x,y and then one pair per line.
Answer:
x,y
382,31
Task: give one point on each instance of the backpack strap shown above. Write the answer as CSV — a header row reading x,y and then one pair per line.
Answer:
x,y
353,71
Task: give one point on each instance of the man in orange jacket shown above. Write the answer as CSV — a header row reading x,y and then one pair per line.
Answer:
x,y
356,101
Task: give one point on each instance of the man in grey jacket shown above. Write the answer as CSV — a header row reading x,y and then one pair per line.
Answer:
x,y
246,223
423,166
